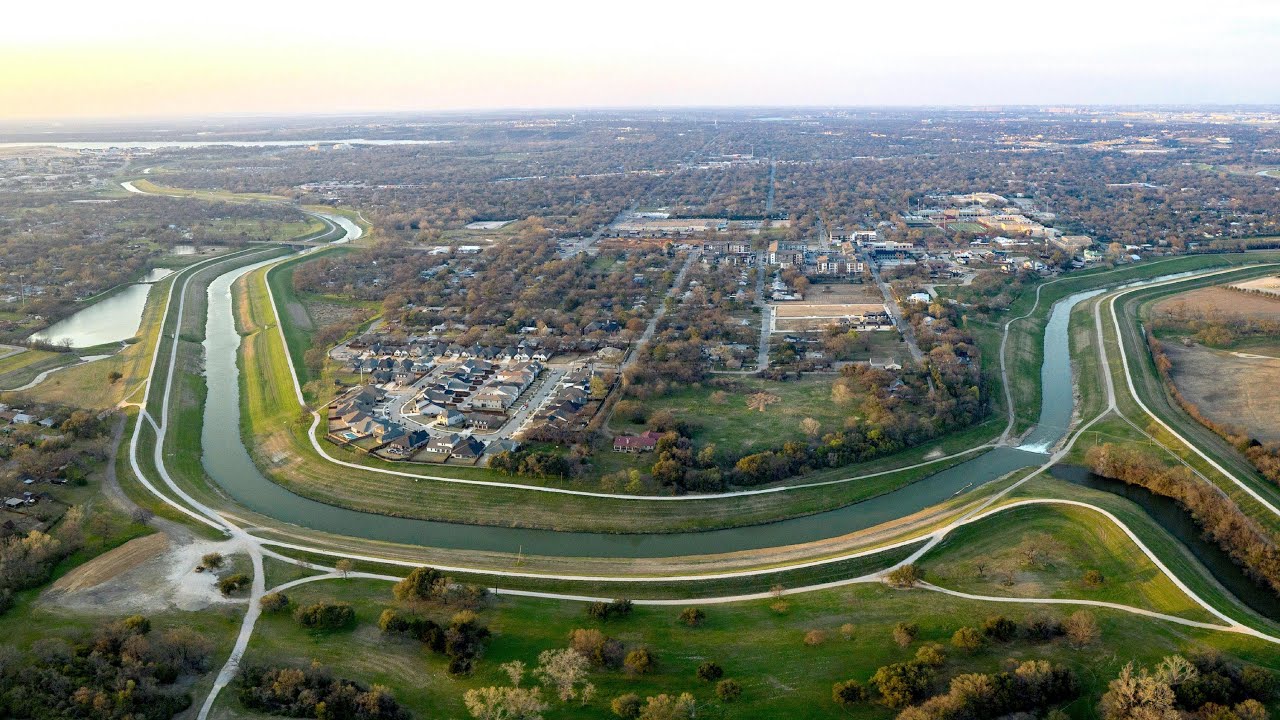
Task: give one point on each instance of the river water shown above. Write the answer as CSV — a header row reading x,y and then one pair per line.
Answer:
x,y
228,463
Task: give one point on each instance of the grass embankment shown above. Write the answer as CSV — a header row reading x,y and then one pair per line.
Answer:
x,y
1151,388
21,368
1045,551
1025,348
764,649
1176,556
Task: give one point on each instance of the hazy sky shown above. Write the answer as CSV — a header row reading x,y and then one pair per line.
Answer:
x,y
156,58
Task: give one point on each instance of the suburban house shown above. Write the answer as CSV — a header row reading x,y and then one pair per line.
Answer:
x,y
644,442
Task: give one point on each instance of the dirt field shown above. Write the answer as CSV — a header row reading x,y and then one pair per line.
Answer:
x,y
1234,388
1269,285
108,565
1219,299
149,574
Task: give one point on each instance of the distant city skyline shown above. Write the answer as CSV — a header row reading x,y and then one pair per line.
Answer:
x,y
167,60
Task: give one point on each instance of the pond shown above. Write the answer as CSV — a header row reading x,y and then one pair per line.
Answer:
x,y
115,318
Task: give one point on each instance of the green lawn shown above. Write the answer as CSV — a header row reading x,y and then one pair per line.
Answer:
x,y
1045,551
781,675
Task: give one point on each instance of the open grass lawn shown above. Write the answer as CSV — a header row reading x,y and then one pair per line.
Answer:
x,y
734,427
1169,549
21,368
782,676
1045,551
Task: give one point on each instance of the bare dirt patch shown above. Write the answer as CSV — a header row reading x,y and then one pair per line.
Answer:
x,y
1269,285
162,581
109,565
1240,389
1223,302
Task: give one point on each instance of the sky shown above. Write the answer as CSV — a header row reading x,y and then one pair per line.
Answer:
x,y
73,59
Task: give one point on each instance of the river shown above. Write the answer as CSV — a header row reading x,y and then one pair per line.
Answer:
x,y
228,463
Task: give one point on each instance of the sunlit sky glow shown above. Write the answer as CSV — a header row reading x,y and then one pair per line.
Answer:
x,y
151,59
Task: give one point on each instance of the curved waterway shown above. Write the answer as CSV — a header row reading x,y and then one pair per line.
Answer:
x,y
229,464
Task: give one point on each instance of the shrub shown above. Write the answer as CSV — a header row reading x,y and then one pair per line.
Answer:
x,y
709,672
1082,629
967,639
422,583
728,690
999,628
325,616
626,706
904,633
848,693
274,602
1041,627
847,631
212,560
136,624
607,610
233,583
902,684
814,638
692,616
905,576
1093,579
638,661
932,655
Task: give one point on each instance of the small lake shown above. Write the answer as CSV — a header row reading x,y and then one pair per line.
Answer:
x,y
113,319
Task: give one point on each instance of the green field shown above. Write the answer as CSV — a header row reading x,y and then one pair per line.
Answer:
x,y
763,648
1045,551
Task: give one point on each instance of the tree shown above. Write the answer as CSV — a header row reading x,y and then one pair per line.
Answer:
x,y
905,576
1082,629
274,602
514,671
999,628
904,633
967,639
562,669
709,672
421,584
638,661
931,654
692,616
728,690
902,684
1138,696
503,703
848,693
325,616
626,706
233,583
810,427
344,566
814,638
667,707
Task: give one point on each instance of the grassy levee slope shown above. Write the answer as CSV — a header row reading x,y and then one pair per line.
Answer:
x,y
1176,556
761,647
1151,388
1045,551
1025,349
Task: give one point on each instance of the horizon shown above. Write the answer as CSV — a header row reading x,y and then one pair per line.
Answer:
x,y
165,63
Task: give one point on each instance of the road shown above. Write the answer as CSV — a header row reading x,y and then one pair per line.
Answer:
x,y
895,312
652,326
766,314
253,546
